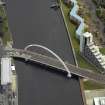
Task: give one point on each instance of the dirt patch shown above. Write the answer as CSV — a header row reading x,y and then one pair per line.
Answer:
x,y
95,26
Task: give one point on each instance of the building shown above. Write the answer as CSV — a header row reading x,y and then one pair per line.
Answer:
x,y
6,72
99,101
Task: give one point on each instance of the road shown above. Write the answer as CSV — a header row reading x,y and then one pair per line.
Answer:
x,y
33,21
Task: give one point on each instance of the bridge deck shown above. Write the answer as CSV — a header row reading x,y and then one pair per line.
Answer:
x,y
54,63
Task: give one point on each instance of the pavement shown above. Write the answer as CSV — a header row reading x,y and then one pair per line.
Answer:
x,y
3,100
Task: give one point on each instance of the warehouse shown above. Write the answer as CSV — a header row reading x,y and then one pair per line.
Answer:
x,y
6,72
99,101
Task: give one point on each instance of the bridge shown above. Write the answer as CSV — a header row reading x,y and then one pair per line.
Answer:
x,y
54,63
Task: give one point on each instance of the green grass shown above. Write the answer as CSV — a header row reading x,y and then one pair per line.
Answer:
x,y
6,38
6,34
2,11
90,85
102,50
80,60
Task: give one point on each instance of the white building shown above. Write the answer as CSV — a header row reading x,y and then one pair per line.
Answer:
x,y
6,72
86,38
99,101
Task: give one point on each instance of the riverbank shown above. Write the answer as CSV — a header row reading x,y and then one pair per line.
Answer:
x,y
6,37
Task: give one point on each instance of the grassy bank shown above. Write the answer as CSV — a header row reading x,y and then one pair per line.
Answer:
x,y
72,29
81,61
102,50
5,30
90,85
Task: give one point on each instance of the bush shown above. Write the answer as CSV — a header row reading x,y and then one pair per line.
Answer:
x,y
101,13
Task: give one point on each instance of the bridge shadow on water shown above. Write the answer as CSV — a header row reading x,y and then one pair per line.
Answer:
x,y
46,68
45,86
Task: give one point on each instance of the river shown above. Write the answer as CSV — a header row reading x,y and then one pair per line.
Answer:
x,y
33,21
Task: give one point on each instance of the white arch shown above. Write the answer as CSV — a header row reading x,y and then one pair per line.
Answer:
x,y
54,54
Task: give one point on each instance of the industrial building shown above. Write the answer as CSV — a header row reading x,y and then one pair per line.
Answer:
x,y
99,101
6,72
